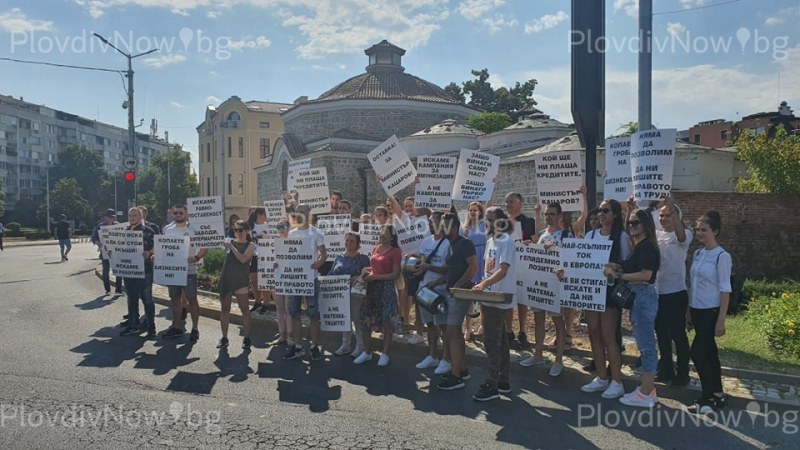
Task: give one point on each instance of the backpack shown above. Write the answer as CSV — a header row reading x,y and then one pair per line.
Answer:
x,y
737,286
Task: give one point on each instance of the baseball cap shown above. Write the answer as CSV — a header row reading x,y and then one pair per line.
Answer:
x,y
111,213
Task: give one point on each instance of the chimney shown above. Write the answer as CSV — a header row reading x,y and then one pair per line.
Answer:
x,y
300,100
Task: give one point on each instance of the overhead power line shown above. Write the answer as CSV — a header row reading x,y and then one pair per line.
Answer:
x,y
676,11
68,66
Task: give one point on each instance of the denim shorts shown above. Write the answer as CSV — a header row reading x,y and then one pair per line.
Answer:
x,y
643,317
294,303
456,311
65,243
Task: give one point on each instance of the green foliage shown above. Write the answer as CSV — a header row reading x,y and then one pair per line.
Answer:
x,y
773,162
489,122
159,195
66,197
87,167
628,129
483,96
754,289
37,235
212,263
13,229
778,318
25,212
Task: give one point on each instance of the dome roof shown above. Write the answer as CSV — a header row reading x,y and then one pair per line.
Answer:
x,y
449,127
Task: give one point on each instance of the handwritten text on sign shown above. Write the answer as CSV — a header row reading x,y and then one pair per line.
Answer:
x,y
435,175
208,220
294,166
370,234
537,284
559,177
128,251
584,285
276,210
391,164
334,227
475,176
411,233
312,189
618,182
334,303
652,163
266,264
294,257
171,260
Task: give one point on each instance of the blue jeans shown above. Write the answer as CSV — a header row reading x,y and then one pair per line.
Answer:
x,y
643,317
136,288
312,304
107,279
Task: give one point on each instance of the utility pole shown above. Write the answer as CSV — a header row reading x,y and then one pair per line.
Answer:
x,y
645,64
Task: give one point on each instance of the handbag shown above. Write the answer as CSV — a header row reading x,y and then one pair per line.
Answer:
x,y
622,296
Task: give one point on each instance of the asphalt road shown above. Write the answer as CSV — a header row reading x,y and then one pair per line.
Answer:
x,y
68,380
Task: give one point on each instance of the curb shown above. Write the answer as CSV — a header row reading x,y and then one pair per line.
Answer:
x,y
479,360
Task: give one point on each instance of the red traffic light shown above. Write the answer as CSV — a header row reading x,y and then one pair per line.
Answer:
x,y
129,177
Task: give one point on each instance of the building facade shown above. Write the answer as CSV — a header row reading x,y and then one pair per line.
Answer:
x,y
31,136
721,133
234,138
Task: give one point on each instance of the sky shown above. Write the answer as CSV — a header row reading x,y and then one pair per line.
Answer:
x,y
713,59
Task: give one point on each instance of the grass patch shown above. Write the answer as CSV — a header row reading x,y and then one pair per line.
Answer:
x,y
744,346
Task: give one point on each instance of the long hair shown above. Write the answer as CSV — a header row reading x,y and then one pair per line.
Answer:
x,y
254,213
617,228
649,226
500,223
391,230
482,213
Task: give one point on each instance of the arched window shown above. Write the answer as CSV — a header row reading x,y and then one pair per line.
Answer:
x,y
284,175
233,116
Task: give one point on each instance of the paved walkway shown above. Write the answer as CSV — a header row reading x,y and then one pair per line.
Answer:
x,y
773,388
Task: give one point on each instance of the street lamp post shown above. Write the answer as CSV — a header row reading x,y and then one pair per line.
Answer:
x,y
47,193
129,103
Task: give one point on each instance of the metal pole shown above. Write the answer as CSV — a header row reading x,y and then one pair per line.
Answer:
x,y
645,64
131,129
222,166
47,196
115,193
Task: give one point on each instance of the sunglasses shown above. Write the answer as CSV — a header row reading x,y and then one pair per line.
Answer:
x,y
238,230
634,223
604,210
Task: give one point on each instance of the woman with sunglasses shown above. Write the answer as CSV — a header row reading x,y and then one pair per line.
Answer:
x,y
281,310
639,272
603,326
234,281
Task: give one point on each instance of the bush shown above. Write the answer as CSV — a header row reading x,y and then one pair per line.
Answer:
x,y
756,289
37,235
12,229
212,263
83,231
778,318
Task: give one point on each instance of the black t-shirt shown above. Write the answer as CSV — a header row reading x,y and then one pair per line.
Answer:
x,y
528,225
456,261
645,257
62,230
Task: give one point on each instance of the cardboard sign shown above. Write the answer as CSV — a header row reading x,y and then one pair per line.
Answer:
x,y
584,285
618,183
312,189
293,275
559,177
171,265
652,163
411,233
208,219
294,166
127,249
370,234
391,164
276,210
334,227
475,176
266,264
334,303
435,178
537,284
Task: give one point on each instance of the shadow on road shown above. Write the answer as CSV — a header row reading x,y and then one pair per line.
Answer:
x,y
97,303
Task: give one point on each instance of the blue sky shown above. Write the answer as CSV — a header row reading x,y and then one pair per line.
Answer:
x,y
278,50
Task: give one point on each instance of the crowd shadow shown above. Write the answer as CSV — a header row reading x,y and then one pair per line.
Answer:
x,y
98,302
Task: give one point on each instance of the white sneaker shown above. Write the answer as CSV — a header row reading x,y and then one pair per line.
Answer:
x,y
636,398
427,363
415,339
615,389
532,361
383,361
356,352
555,369
342,350
597,385
362,358
443,368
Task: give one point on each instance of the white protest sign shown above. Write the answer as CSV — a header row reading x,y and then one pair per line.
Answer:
x,y
127,247
537,284
652,163
411,232
266,264
294,275
171,264
105,249
208,221
475,176
391,164
584,285
618,182
312,189
559,179
370,234
334,303
435,178
298,164
276,210
334,227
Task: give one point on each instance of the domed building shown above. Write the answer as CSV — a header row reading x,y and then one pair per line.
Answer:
x,y
345,123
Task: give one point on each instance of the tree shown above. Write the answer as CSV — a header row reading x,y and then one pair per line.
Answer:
x,y
154,190
483,96
66,198
87,167
25,212
489,122
773,162
627,129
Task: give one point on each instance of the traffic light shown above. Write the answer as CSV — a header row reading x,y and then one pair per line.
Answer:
x,y
129,180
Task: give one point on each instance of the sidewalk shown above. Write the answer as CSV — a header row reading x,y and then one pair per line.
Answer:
x,y
739,383
26,243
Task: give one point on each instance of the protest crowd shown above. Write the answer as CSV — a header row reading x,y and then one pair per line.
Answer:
x,y
424,268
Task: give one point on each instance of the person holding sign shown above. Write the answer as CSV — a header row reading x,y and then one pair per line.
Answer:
x,y
639,273
110,218
475,230
603,326
308,232
524,230
234,281
352,263
281,309
137,288
498,276
258,230
380,308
